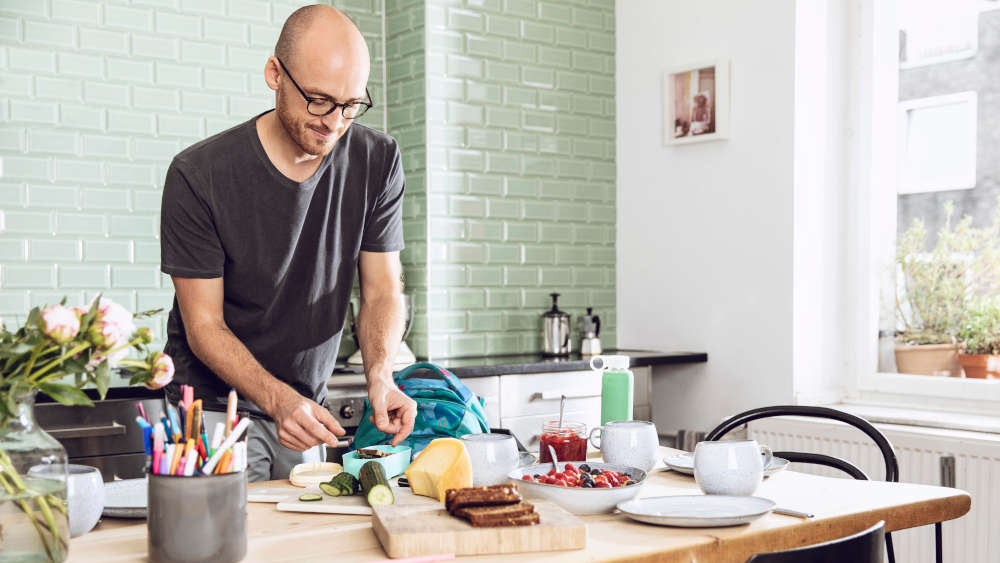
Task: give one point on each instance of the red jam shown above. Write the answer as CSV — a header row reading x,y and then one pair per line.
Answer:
x,y
567,441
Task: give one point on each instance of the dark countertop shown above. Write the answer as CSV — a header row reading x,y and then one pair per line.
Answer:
x,y
483,366
478,366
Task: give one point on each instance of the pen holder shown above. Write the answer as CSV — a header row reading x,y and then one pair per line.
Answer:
x,y
196,519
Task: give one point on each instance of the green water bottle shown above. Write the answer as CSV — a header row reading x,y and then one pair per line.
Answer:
x,y
616,387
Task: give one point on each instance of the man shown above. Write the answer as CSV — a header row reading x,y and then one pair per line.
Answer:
x,y
262,229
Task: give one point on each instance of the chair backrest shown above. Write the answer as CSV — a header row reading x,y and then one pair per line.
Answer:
x,y
863,547
888,453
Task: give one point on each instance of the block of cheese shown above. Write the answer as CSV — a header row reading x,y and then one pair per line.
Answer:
x,y
444,464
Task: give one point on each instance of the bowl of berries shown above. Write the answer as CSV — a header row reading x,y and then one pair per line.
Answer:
x,y
587,488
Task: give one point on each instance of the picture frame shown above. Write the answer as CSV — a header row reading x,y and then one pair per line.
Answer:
x,y
696,102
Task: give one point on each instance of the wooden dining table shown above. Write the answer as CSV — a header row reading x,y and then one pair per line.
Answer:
x,y
840,507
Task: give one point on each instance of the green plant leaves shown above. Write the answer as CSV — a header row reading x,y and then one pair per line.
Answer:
x,y
65,394
102,378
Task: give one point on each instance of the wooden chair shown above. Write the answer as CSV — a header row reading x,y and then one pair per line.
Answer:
x,y
888,453
863,547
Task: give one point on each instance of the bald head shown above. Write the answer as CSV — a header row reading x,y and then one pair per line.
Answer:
x,y
320,28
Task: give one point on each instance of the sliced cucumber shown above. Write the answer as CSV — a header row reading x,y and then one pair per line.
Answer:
x,y
310,497
330,489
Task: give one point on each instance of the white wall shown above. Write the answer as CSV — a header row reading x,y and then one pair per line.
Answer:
x,y
705,230
735,247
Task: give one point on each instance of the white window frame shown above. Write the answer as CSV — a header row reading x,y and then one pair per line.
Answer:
x,y
963,180
871,228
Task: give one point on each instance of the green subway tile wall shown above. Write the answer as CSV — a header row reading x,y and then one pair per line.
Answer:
x,y
95,99
503,109
520,169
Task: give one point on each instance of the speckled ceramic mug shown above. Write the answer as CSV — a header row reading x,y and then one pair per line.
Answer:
x,y
730,467
628,442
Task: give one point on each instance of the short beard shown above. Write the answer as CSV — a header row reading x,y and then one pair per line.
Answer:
x,y
296,130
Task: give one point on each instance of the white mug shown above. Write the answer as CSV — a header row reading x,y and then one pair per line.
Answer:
x,y
731,467
633,443
493,456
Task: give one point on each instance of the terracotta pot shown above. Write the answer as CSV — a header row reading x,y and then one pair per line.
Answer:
x,y
980,366
928,359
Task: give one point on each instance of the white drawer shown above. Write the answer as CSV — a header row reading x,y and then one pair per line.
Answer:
x,y
489,389
528,429
531,394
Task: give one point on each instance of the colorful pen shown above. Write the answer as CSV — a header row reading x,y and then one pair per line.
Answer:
x,y
157,453
166,459
230,412
175,424
226,444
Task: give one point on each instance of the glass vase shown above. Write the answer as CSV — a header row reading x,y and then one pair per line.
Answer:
x,y
34,521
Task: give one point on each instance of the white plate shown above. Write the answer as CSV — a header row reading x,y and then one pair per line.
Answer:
x,y
684,463
697,511
125,498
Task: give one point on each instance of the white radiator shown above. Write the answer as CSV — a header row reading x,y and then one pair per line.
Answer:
x,y
974,538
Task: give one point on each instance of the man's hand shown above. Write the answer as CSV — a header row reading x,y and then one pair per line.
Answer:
x,y
302,424
393,411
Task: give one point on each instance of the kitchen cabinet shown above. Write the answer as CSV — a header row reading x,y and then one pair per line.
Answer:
x,y
489,389
522,402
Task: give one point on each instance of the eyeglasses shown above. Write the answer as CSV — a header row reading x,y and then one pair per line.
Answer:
x,y
321,107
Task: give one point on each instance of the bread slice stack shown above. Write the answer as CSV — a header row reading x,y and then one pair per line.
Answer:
x,y
496,505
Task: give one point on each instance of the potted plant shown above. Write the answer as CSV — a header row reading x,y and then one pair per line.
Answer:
x,y
58,351
936,286
980,336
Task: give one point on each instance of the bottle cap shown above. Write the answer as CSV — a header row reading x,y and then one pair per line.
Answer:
x,y
599,363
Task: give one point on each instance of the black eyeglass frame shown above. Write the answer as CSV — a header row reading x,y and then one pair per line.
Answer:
x,y
343,107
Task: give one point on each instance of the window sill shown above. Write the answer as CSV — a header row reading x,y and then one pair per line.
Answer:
x,y
924,418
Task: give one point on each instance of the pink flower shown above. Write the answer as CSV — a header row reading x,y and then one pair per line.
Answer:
x,y
162,371
60,324
104,334
144,334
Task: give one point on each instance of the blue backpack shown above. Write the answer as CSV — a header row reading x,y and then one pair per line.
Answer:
x,y
446,408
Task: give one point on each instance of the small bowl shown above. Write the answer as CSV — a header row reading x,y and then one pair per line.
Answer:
x,y
84,494
578,500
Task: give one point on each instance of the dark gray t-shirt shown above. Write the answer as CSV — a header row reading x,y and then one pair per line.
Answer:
x,y
287,251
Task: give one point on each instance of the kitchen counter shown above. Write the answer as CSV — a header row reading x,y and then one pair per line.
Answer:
x,y
841,507
484,366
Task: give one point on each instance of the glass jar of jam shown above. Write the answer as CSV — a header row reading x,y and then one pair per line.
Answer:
x,y
569,441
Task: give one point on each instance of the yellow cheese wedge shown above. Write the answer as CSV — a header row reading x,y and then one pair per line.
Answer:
x,y
444,464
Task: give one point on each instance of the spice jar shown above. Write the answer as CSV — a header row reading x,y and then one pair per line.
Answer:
x,y
569,441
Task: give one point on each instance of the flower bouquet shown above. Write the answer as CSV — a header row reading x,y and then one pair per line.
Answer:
x,y
58,351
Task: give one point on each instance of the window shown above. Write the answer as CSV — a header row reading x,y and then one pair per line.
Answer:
x,y
933,212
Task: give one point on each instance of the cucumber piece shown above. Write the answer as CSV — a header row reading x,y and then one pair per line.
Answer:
x,y
310,497
346,482
330,489
375,485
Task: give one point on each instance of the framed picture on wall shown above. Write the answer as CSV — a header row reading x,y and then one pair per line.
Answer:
x,y
696,102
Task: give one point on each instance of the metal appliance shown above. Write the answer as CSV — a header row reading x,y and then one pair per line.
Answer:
x,y
104,436
404,356
555,330
590,343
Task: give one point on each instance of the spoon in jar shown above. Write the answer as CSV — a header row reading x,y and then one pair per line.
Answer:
x,y
562,408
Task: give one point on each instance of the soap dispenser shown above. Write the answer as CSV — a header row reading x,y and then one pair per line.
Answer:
x,y
617,387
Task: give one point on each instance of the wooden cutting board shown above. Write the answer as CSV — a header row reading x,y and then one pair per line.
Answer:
x,y
422,529
288,500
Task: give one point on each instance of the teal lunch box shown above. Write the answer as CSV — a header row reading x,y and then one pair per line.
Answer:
x,y
394,464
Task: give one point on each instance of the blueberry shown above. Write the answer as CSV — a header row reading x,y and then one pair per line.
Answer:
x,y
629,482
585,468
587,485
596,471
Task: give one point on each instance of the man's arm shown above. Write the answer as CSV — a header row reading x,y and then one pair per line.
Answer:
x,y
301,423
380,330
